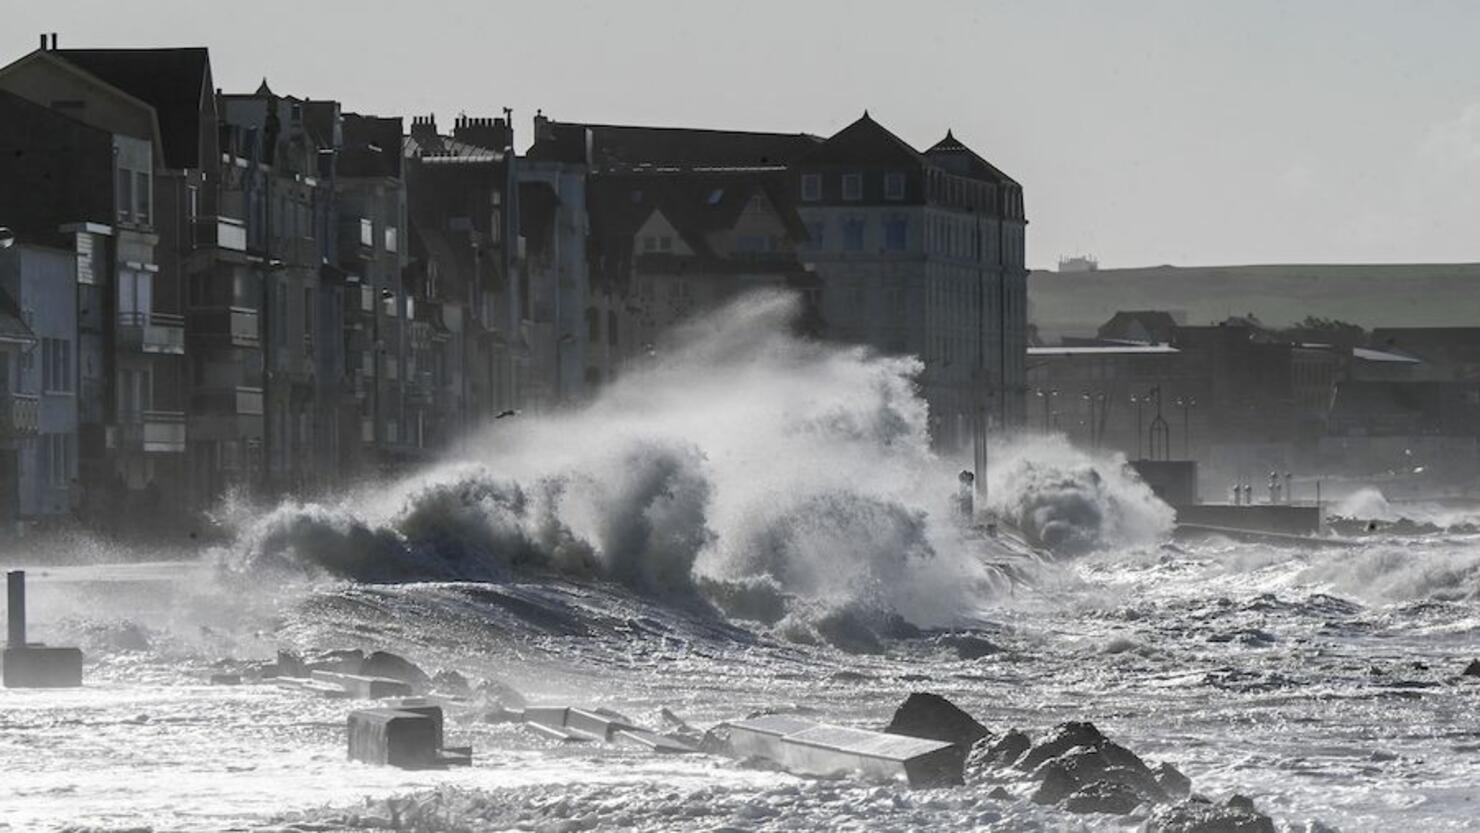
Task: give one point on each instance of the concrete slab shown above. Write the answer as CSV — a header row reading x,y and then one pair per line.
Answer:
x,y
654,742
808,748
37,666
557,734
365,688
391,737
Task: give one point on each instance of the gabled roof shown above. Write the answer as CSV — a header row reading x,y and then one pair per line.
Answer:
x,y
703,203
446,149
631,146
864,142
951,154
173,81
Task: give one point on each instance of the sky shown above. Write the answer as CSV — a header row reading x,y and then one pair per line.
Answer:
x,y
1144,132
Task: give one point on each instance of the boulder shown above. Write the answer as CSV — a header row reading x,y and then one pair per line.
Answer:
x,y
499,693
1172,781
1103,797
1472,670
1056,783
289,665
448,681
392,667
924,715
970,647
1005,751
1202,816
339,661
1065,737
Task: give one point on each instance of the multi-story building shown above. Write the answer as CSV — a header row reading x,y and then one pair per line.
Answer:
x,y
18,407
130,344
922,253
462,204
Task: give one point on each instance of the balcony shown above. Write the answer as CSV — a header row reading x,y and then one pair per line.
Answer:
x,y
153,432
220,233
20,415
152,332
238,401
236,326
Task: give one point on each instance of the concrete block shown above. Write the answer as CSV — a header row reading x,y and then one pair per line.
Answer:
x,y
654,742
365,688
808,748
37,666
391,737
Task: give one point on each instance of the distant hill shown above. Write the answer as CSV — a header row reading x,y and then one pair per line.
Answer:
x,y
1369,295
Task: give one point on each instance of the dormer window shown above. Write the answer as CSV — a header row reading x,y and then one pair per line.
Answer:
x,y
811,187
853,187
894,186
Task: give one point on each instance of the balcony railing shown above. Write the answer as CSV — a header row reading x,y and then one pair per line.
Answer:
x,y
20,415
238,401
221,233
234,325
153,432
152,332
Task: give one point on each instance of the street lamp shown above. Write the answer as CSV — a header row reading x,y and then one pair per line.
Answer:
x,y
1097,397
1047,397
1186,404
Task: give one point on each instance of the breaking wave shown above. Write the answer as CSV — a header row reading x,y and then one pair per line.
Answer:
x,y
777,479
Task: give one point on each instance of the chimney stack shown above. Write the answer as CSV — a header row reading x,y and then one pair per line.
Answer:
x,y
484,132
424,128
15,585
43,41
53,41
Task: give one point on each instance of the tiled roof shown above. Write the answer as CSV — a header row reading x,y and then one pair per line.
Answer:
x,y
959,159
631,146
173,81
446,149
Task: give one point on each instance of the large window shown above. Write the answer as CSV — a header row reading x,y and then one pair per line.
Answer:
x,y
853,235
142,199
853,187
56,365
894,186
124,199
135,296
896,234
811,187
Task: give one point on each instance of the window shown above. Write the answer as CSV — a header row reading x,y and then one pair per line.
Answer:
x,y
141,197
308,311
135,296
124,199
665,243
650,243
192,201
56,365
816,234
750,243
367,232
853,187
59,454
390,238
853,235
894,186
811,187
896,234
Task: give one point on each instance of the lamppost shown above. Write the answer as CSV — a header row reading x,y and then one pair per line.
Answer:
x,y
1140,403
1097,397
1186,404
1047,397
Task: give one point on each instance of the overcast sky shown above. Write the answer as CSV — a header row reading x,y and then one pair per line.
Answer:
x,y
1245,131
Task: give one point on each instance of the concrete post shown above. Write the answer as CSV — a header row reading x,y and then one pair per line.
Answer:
x,y
15,584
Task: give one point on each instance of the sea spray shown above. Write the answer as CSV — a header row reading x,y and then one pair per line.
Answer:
x,y
778,478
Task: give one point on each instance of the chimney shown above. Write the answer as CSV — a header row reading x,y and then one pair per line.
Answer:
x,y
542,130
487,133
15,585
43,41
424,128
53,41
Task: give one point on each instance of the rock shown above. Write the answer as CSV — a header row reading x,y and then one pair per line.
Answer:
x,y
1058,783
999,794
1111,762
1007,750
393,667
1472,670
1172,781
1201,816
290,665
448,681
970,647
226,679
1066,737
349,661
499,693
1103,797
717,742
1242,803
924,715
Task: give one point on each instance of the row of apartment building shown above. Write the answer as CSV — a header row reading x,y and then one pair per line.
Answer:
x,y
214,291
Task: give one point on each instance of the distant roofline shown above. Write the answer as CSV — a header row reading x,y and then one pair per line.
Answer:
x,y
1101,351
1295,265
681,129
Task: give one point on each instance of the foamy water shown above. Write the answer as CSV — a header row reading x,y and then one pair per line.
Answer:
x,y
757,523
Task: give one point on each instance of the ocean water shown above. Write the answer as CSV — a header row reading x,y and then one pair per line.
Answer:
x,y
756,523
